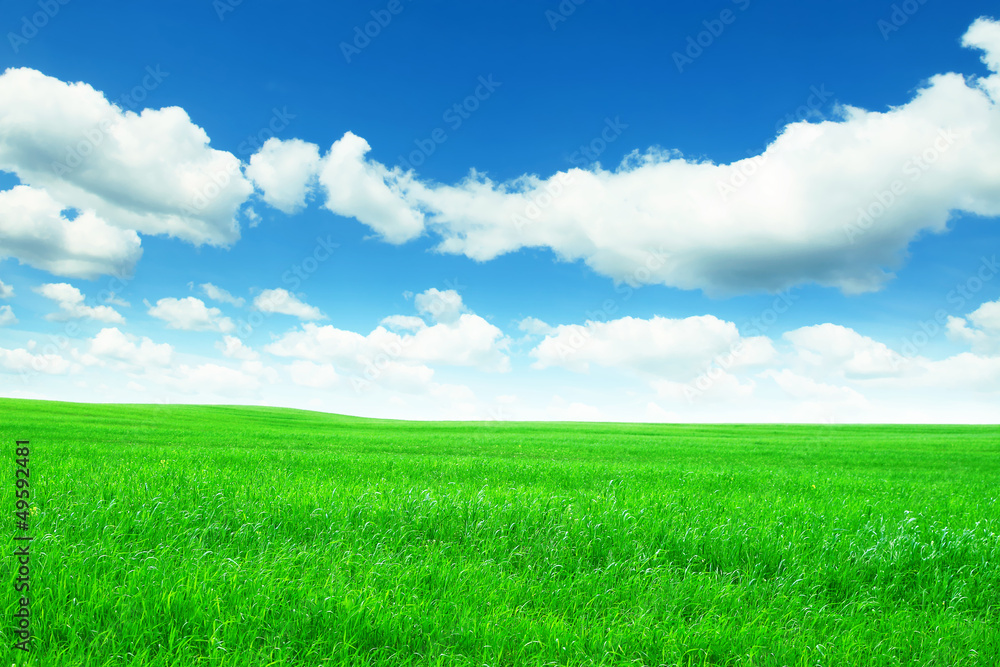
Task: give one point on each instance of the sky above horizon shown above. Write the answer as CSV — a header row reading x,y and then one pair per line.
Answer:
x,y
730,212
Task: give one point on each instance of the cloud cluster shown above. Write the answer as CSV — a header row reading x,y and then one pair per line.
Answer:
x,y
36,230
216,293
984,333
284,302
191,314
702,368
71,305
699,368
284,172
141,352
151,172
670,348
399,360
834,203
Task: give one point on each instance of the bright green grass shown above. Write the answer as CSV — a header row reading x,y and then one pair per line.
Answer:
x,y
251,537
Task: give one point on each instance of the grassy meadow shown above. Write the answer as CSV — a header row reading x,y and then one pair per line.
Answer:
x,y
246,537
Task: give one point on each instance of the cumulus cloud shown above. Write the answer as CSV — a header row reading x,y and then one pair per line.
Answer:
x,y
403,323
834,203
152,172
534,326
7,316
234,348
983,334
363,189
441,306
111,343
470,341
851,354
22,361
284,172
35,229
222,296
401,360
191,314
6,291
282,301
70,301
676,349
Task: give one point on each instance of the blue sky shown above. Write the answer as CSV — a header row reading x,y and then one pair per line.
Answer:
x,y
587,211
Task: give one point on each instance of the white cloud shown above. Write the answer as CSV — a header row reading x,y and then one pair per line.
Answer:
x,y
253,219
284,172
441,306
390,359
222,296
111,343
471,341
71,306
234,348
676,349
22,361
191,314
111,298
6,291
403,323
844,350
984,334
367,191
7,316
962,372
834,203
984,34
151,172
534,326
35,231
282,301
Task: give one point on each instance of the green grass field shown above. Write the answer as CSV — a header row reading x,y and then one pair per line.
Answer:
x,y
248,536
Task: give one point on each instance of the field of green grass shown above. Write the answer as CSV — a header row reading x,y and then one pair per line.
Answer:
x,y
248,537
